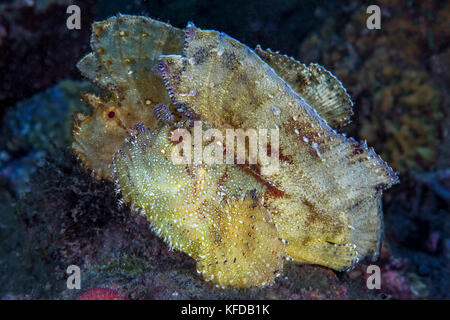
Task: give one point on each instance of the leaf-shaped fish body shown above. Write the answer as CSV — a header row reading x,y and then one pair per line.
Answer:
x,y
125,52
329,213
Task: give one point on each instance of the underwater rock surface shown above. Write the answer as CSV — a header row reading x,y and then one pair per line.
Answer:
x,y
35,128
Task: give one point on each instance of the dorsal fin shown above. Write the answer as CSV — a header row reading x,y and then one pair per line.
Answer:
x,y
317,86
331,183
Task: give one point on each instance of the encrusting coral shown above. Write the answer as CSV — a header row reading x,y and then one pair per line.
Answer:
x,y
240,222
389,74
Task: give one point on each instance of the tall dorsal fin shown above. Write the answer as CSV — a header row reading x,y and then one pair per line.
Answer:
x,y
317,86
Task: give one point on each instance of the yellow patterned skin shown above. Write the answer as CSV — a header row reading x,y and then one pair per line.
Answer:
x,y
239,222
331,184
212,213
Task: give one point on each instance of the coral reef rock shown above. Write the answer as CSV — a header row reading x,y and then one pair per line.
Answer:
x,y
240,222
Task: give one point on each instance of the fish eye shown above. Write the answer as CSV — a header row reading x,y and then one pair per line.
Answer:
x,y
111,114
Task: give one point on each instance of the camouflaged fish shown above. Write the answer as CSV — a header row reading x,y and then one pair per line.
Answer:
x,y
323,205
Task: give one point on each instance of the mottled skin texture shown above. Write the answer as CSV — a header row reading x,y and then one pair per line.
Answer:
x,y
212,213
323,205
317,86
125,52
325,215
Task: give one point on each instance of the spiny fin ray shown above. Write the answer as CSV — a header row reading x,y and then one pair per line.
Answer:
x,y
319,87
